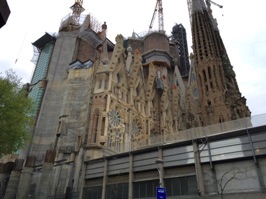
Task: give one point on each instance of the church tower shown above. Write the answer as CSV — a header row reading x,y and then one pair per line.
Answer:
x,y
94,99
221,99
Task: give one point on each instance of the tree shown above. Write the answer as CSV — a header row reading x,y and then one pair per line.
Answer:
x,y
233,174
15,114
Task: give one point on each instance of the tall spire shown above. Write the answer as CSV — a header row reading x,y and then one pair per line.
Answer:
x,y
221,98
214,21
195,6
198,5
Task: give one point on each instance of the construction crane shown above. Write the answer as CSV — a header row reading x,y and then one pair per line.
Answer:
x,y
208,3
77,9
189,6
159,8
220,6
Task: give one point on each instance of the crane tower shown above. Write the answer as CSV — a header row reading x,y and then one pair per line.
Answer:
x,y
159,8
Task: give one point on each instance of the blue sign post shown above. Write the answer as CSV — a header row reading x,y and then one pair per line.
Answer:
x,y
161,192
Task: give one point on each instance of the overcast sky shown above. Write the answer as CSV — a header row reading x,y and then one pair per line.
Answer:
x,y
242,25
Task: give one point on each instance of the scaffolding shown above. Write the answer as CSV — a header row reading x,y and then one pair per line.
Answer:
x,y
70,19
180,38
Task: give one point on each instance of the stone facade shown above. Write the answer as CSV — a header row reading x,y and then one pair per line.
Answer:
x,y
102,98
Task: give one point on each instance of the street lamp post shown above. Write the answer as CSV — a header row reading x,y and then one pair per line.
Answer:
x,y
159,163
